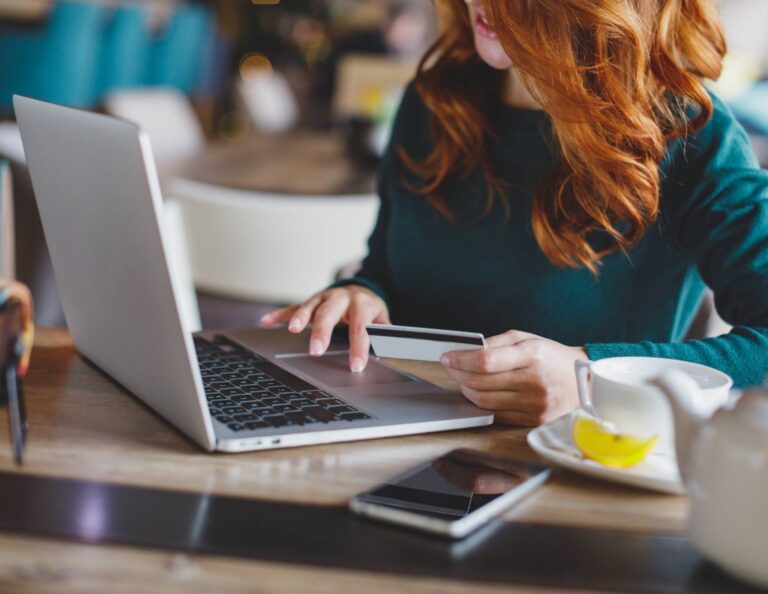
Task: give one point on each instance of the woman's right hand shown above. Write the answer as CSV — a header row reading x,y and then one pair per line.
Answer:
x,y
353,304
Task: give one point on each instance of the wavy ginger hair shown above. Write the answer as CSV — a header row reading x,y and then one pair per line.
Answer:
x,y
619,79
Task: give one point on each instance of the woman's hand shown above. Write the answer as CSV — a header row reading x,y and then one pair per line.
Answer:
x,y
523,378
355,305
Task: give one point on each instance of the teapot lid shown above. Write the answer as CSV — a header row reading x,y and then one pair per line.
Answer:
x,y
753,405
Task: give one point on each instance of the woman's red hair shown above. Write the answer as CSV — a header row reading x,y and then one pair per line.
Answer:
x,y
619,79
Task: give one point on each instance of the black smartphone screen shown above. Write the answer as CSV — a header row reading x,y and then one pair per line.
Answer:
x,y
454,485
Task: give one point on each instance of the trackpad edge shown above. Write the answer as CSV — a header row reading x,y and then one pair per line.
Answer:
x,y
333,371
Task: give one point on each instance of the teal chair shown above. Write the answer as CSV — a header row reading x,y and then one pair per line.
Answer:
x,y
124,49
56,61
180,56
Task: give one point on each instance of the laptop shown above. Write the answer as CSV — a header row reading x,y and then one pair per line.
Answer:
x,y
101,207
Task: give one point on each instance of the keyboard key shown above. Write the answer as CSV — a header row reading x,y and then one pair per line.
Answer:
x,y
328,402
218,402
255,425
353,416
229,392
299,402
222,418
281,390
276,420
286,377
235,426
239,365
230,375
242,417
255,375
315,393
269,383
217,385
299,418
241,398
319,413
260,411
242,382
282,407
257,391
345,408
231,409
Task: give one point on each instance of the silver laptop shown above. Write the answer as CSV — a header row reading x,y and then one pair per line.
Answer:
x,y
101,207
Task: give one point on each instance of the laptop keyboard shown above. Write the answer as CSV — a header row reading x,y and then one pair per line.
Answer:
x,y
246,392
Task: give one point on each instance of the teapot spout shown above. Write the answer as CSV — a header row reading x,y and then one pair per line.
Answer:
x,y
683,393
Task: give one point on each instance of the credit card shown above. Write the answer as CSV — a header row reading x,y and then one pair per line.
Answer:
x,y
420,344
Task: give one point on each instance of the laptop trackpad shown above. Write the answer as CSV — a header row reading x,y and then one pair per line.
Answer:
x,y
333,371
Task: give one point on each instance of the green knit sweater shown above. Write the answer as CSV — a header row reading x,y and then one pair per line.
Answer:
x,y
491,276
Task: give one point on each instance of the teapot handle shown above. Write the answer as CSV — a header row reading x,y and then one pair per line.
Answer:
x,y
582,367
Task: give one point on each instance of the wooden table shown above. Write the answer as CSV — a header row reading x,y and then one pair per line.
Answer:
x,y
83,426
296,163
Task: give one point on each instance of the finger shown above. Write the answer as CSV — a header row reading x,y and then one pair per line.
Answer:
x,y
508,338
488,360
516,380
278,316
501,400
382,316
304,313
325,318
360,314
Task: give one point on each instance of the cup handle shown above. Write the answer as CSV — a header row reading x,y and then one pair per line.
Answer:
x,y
582,367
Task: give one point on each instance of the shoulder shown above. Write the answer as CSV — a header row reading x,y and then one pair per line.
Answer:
x,y
721,144
410,129
713,184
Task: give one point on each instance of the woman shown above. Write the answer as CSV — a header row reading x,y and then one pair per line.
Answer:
x,y
559,178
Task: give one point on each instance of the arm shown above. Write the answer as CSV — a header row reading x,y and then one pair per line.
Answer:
x,y
374,272
717,209
366,297
719,215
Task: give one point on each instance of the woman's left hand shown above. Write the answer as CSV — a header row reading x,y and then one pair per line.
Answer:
x,y
523,378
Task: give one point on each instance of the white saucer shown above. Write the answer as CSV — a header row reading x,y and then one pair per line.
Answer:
x,y
553,441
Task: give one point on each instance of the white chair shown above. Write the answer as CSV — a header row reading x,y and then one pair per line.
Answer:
x,y
175,134
165,115
11,146
269,101
7,242
268,247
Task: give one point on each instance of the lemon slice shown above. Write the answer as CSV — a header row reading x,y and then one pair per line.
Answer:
x,y
607,447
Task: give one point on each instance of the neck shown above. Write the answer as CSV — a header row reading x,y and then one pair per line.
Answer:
x,y
516,94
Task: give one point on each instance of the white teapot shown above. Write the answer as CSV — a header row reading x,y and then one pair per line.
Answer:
x,y
724,463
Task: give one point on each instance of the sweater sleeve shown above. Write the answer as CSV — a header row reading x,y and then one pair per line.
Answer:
x,y
718,199
374,272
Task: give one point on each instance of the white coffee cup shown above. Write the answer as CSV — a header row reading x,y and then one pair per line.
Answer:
x,y
620,393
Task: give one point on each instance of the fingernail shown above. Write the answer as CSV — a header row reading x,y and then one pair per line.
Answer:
x,y
315,348
357,365
445,360
293,326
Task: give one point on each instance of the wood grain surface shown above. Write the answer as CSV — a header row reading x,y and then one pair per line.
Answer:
x,y
84,426
299,163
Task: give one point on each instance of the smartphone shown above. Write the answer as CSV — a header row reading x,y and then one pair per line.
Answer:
x,y
453,495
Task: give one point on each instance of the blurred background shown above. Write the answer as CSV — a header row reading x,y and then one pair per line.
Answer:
x,y
267,119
